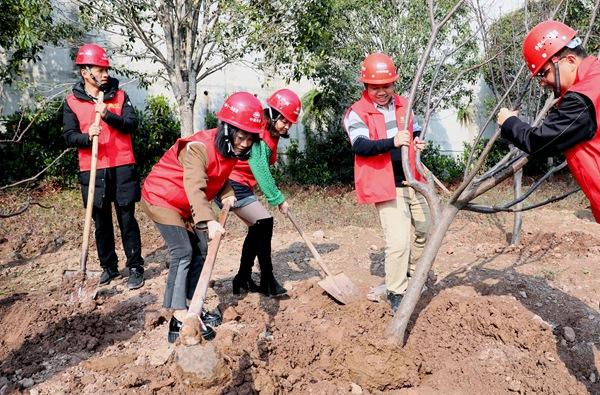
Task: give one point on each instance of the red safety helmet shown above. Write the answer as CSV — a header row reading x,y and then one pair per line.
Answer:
x,y
287,103
378,69
543,42
244,111
92,54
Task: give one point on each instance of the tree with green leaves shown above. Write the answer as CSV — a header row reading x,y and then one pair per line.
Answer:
x,y
355,28
192,39
26,27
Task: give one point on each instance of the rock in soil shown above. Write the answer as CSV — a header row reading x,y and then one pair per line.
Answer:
x,y
202,365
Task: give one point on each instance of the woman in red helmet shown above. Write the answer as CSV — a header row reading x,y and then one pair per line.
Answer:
x,y
117,180
177,195
554,53
282,111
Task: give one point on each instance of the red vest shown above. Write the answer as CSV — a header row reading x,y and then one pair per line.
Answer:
x,y
584,158
164,185
114,147
243,174
374,175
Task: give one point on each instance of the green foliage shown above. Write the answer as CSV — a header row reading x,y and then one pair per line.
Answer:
x,y
211,120
25,28
323,162
498,151
328,49
327,157
40,145
43,142
158,129
445,167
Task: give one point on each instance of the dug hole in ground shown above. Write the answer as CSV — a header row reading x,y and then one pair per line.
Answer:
x,y
494,319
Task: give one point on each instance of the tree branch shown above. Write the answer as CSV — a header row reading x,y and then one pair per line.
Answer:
x,y
38,174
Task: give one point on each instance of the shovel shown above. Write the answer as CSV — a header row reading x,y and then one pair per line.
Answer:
x,y
190,331
88,215
339,286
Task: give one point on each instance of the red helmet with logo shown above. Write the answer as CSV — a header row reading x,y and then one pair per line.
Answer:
x,y
287,103
93,55
543,42
244,111
378,69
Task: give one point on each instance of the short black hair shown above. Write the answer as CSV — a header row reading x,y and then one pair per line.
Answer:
x,y
578,51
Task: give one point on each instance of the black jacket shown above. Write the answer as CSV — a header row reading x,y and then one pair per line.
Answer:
x,y
571,123
119,184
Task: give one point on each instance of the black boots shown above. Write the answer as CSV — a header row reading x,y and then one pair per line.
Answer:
x,y
258,244
268,285
242,282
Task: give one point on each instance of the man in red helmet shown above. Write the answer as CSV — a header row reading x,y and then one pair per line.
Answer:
x,y
116,179
282,111
177,195
375,126
553,52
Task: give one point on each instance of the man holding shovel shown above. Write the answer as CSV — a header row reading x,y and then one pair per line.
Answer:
x,y
375,126
116,179
554,54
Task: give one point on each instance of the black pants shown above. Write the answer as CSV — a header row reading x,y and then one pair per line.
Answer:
x,y
105,235
119,186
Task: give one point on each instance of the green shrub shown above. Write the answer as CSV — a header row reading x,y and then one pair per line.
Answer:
x,y
445,167
41,143
326,160
211,120
158,130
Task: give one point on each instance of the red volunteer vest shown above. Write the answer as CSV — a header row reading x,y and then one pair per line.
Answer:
x,y
584,158
374,175
243,174
114,147
164,185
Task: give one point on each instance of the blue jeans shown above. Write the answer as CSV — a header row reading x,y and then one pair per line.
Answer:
x,y
187,253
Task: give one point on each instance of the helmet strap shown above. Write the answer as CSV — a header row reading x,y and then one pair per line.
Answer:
x,y
556,79
228,139
89,70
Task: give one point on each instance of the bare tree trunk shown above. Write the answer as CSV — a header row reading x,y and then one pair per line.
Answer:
x,y
186,112
518,217
397,328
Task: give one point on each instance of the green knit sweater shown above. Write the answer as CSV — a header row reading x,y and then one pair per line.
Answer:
x,y
259,164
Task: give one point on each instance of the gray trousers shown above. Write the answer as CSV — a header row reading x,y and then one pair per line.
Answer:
x,y
187,252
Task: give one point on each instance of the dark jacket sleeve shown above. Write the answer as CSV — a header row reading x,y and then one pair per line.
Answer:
x,y
127,122
573,122
71,131
366,147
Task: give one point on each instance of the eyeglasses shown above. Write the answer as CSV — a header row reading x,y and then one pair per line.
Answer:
x,y
543,74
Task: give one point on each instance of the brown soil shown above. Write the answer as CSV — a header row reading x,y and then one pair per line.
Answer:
x,y
493,320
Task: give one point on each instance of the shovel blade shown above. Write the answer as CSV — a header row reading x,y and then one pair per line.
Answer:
x,y
340,287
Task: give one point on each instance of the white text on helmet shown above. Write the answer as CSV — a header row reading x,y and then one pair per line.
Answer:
x,y
550,35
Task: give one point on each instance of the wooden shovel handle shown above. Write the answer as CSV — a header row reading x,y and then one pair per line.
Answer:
x,y
207,269
310,245
90,195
